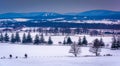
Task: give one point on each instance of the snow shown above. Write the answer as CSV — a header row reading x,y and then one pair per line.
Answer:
x,y
55,19
54,56
5,20
57,55
80,61
97,21
15,19
21,19
91,21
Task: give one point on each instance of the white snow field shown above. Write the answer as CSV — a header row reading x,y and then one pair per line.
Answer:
x,y
56,55
39,55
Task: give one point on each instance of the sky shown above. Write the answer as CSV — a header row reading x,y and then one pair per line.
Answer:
x,y
59,6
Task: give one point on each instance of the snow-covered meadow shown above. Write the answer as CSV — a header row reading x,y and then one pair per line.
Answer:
x,y
57,55
54,56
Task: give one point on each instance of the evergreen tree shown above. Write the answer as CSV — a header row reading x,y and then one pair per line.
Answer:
x,y
29,38
114,43
12,38
69,41
1,37
42,40
17,37
64,41
36,40
24,38
6,37
79,42
96,47
102,44
50,41
84,42
118,41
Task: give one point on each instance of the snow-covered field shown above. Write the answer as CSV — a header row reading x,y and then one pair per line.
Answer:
x,y
54,56
57,55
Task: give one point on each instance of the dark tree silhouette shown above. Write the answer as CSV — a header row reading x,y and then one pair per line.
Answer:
x,y
24,39
64,41
84,42
12,38
1,37
69,41
114,45
50,41
37,40
102,44
29,38
17,37
79,42
42,40
6,37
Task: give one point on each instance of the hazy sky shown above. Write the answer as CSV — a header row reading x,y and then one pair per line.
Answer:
x,y
59,6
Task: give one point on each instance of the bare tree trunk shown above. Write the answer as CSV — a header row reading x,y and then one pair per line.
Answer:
x,y
96,52
75,55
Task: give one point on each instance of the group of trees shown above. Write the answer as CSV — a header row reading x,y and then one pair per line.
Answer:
x,y
15,38
59,31
26,39
41,40
115,43
69,31
83,42
95,48
4,38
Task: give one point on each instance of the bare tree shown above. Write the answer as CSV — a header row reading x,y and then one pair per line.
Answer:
x,y
75,49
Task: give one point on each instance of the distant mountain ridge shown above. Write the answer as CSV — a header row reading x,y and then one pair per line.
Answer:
x,y
93,13
24,15
99,13
94,19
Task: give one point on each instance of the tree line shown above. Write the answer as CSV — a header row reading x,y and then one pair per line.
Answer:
x,y
39,39
26,39
61,24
